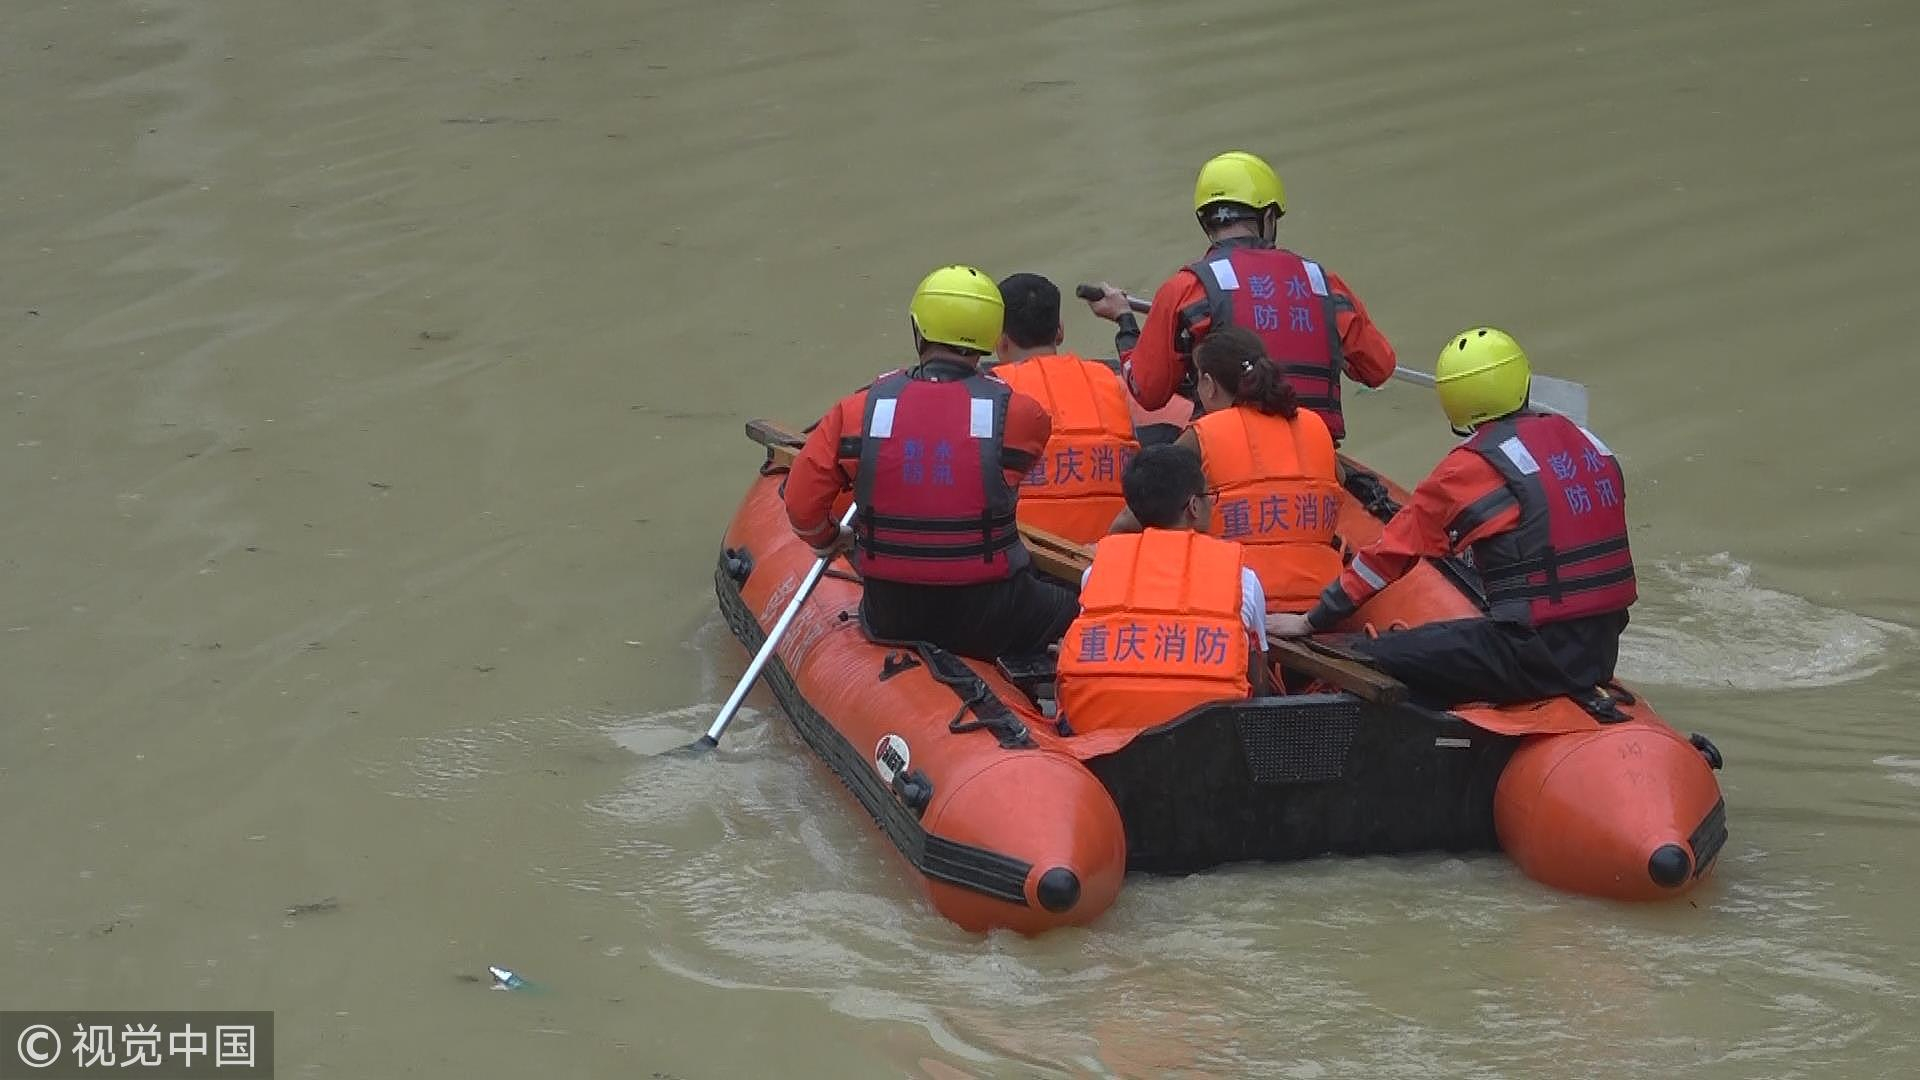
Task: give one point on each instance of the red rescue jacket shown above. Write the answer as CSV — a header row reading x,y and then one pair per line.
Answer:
x,y
1285,301
1568,557
935,506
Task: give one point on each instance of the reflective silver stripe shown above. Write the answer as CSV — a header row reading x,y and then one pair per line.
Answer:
x,y
1223,273
1595,440
882,425
980,423
1516,452
1315,278
1367,574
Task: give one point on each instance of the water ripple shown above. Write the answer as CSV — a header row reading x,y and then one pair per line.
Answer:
x,y
1706,623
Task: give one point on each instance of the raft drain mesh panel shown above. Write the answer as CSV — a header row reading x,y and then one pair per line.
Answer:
x,y
1300,743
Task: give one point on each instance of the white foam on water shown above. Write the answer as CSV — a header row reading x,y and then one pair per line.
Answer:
x,y
717,663
1704,623
1901,770
662,730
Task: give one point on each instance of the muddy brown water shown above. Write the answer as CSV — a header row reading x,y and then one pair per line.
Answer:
x,y
373,378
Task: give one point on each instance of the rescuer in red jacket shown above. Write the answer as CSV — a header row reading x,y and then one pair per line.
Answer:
x,y
1311,324
935,455
1541,505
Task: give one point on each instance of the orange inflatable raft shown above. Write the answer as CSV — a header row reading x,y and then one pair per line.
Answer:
x,y
1010,822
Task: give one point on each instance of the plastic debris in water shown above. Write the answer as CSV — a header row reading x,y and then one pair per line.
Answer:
x,y
506,979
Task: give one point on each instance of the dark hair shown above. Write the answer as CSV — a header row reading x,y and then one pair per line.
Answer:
x,y
1033,310
1216,216
1237,361
1159,483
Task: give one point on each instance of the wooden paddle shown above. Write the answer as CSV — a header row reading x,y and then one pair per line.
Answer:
x,y
1060,558
1562,396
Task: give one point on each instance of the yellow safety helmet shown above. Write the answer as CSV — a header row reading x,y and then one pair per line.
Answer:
x,y
1240,179
959,306
1481,375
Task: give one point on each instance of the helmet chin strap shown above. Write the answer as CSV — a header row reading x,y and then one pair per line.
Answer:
x,y
1466,432
919,340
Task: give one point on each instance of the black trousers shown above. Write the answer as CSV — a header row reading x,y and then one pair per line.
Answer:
x,y
1020,616
1450,663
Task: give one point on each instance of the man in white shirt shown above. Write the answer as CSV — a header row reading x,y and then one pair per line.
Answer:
x,y
1253,599
1171,619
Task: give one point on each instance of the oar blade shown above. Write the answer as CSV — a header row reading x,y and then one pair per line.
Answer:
x,y
695,748
1562,396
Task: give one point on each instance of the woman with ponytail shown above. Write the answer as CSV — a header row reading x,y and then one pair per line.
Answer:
x,y
1236,371
1271,467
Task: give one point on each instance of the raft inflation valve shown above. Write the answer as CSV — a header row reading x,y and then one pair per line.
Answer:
x,y
739,564
914,789
1669,866
1059,889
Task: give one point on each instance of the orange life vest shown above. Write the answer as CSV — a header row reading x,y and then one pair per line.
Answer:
x,y
1277,492
1073,491
1159,631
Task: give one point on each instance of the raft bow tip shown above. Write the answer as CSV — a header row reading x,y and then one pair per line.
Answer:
x,y
1670,866
1058,890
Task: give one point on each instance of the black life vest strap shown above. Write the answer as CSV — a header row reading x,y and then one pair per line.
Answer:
x,y
1556,586
984,550
1552,560
939,525
1480,511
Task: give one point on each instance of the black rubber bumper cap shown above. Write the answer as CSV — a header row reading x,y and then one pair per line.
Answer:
x,y
1669,866
1059,889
